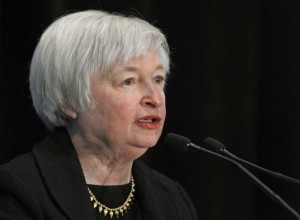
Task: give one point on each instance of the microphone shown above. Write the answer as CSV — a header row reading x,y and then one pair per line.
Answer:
x,y
181,143
216,146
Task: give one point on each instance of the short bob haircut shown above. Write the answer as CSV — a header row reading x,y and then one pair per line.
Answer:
x,y
79,46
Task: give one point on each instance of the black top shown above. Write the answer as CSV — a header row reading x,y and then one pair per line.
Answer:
x,y
115,196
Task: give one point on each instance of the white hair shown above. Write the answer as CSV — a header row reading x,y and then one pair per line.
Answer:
x,y
75,48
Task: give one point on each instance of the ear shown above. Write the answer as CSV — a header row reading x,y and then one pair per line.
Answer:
x,y
70,112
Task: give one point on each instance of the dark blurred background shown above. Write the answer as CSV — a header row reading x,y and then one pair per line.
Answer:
x,y
235,77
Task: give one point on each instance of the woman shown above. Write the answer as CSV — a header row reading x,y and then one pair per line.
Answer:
x,y
97,82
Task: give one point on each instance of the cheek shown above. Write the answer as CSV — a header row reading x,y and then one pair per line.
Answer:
x,y
123,107
163,106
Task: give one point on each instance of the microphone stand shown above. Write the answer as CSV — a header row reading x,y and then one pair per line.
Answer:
x,y
275,174
258,182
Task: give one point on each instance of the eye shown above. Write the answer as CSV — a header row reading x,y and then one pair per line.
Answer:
x,y
159,79
128,82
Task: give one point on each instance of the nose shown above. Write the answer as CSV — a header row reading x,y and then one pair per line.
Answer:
x,y
153,96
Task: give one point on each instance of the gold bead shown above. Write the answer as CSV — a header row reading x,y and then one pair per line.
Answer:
x,y
111,213
95,204
105,212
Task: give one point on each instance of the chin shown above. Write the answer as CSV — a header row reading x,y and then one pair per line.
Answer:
x,y
146,141
149,144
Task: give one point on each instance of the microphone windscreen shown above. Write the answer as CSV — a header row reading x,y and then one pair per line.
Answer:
x,y
213,145
177,142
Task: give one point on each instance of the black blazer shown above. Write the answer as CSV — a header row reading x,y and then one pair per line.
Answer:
x,y
48,183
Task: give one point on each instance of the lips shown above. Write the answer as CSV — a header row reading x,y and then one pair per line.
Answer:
x,y
149,122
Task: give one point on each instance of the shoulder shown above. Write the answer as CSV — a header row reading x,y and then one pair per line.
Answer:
x,y
20,166
20,180
163,191
21,174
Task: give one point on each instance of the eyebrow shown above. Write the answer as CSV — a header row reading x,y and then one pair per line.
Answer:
x,y
132,68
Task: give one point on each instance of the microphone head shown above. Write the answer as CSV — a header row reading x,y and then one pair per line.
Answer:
x,y
177,142
213,145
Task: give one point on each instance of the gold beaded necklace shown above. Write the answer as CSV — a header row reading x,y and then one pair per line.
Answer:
x,y
103,209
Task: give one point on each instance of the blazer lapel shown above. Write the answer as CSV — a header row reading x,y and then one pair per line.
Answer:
x,y
156,203
62,173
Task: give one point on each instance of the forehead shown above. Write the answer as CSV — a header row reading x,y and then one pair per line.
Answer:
x,y
150,61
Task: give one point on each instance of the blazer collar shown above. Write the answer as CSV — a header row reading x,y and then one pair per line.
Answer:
x,y
63,176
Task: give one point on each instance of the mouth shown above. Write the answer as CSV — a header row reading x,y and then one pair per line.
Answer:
x,y
150,122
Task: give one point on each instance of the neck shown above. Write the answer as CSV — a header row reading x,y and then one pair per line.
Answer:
x,y
98,173
100,164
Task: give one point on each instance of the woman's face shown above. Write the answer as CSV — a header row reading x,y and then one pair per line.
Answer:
x,y
129,108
